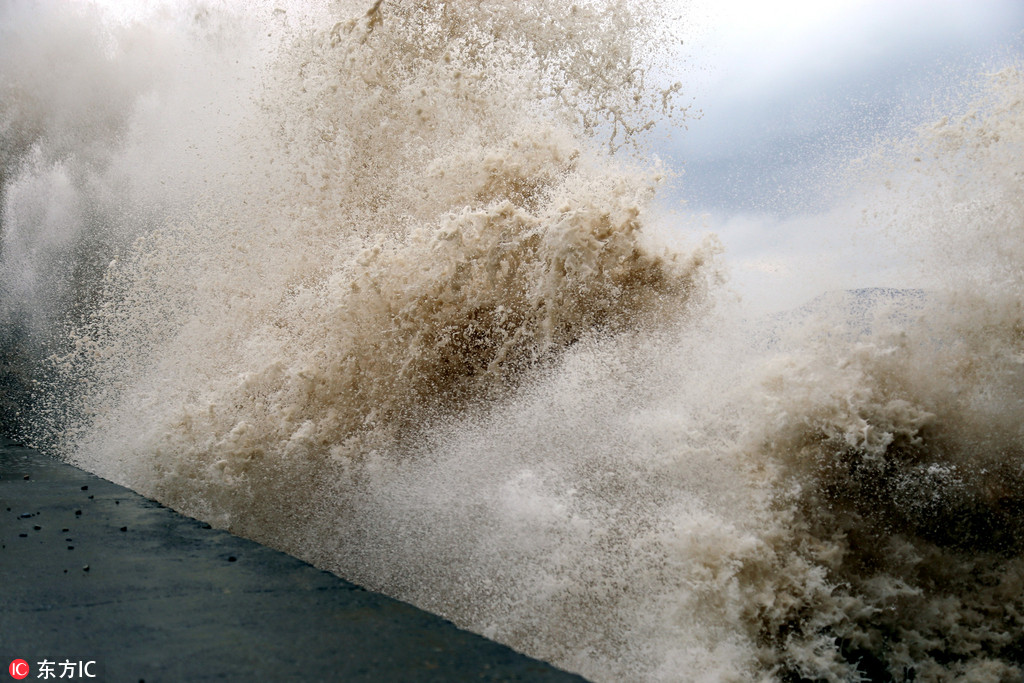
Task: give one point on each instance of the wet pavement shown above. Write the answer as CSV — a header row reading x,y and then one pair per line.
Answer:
x,y
97,580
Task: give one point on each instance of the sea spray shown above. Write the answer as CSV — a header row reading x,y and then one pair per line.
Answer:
x,y
384,275
896,439
108,130
403,316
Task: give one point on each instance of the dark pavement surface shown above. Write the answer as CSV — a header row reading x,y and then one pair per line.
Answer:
x,y
92,572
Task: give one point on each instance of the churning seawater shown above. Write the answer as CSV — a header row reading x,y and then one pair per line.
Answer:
x,y
376,284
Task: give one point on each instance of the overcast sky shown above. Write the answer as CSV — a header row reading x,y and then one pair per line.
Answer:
x,y
789,91
781,83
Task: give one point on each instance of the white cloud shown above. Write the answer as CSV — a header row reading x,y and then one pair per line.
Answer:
x,y
790,88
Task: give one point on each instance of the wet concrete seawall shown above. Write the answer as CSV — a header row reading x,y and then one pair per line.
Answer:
x,y
92,572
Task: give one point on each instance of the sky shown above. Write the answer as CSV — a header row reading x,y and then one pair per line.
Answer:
x,y
789,91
